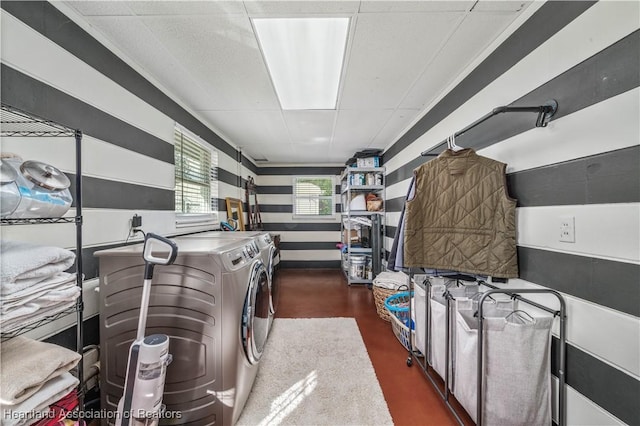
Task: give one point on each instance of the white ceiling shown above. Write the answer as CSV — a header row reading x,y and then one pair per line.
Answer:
x,y
400,56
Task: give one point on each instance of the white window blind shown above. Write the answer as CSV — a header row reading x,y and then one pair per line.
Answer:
x,y
196,168
313,196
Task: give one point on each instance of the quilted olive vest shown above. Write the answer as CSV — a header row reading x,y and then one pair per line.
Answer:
x,y
461,217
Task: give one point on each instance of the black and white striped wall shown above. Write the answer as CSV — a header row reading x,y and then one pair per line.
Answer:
x,y
53,68
585,164
305,243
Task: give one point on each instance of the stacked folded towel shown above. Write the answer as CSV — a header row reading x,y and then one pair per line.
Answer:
x,y
33,283
33,375
25,264
391,280
28,364
39,405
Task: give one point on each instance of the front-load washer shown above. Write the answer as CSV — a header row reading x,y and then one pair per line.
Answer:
x,y
213,303
268,252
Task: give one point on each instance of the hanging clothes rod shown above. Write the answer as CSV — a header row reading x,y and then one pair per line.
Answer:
x,y
545,112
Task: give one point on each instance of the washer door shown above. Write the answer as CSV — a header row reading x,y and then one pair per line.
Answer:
x,y
255,315
273,289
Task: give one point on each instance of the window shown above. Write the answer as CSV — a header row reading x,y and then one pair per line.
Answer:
x,y
196,190
313,197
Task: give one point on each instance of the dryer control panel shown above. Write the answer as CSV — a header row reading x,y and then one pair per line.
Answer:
x,y
238,257
264,240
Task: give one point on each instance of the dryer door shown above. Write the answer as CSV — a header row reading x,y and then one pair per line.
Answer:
x,y
273,289
255,315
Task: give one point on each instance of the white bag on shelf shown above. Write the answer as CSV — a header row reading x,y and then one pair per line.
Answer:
x,y
517,368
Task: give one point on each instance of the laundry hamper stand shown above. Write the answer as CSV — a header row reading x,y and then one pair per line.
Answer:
x,y
426,365
562,418
515,295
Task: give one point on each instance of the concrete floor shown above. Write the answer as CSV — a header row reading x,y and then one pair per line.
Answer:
x,y
324,293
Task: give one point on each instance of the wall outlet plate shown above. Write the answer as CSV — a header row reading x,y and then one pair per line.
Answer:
x,y
568,229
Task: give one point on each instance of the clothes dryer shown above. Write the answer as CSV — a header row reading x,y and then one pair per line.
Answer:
x,y
213,303
268,252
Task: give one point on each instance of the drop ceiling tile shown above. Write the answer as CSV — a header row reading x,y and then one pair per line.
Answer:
x,y
496,6
321,154
281,155
222,53
394,127
385,62
146,51
342,154
356,129
301,7
310,127
474,35
187,7
100,8
257,132
367,6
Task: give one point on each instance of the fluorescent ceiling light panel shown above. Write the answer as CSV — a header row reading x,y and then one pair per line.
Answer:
x,y
304,57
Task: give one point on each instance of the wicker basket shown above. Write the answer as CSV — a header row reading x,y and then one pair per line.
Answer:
x,y
380,294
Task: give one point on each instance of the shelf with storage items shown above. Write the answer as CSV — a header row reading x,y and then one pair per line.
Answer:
x,y
18,123
362,222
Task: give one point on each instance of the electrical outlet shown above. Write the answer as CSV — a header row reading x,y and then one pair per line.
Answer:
x,y
135,225
136,221
568,229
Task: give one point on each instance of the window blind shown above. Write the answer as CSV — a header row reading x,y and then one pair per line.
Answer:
x,y
214,182
196,175
313,196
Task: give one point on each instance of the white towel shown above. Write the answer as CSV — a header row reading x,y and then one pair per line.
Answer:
x,y
65,291
37,315
391,280
26,364
24,264
29,309
36,407
59,280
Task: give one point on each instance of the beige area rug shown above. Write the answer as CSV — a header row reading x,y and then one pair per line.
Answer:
x,y
315,372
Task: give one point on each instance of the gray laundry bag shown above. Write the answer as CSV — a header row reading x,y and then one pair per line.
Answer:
x,y
438,312
517,366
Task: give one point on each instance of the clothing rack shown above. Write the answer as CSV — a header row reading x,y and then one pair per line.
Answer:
x,y
515,295
545,112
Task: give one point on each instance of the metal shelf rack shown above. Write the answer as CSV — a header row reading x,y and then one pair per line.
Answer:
x,y
35,221
17,123
353,182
